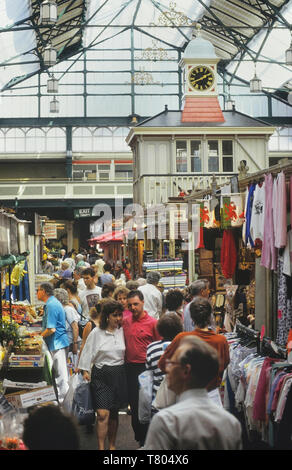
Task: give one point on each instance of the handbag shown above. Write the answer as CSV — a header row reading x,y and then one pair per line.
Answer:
x,y
145,380
82,406
81,324
164,396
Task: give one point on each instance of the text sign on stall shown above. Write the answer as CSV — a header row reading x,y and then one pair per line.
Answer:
x,y
50,231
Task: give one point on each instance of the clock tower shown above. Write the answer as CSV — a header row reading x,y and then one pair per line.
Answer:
x,y
200,82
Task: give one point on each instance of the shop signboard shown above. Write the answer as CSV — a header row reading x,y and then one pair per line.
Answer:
x,y
81,213
50,231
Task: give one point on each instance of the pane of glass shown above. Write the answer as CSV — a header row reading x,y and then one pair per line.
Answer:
x,y
213,155
85,167
228,164
104,176
213,147
181,156
227,147
77,174
123,167
103,167
213,164
273,161
196,163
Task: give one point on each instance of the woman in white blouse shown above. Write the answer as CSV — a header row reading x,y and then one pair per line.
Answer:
x,y
102,363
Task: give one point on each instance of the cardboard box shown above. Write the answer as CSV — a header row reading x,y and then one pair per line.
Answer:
x,y
25,399
206,267
17,360
206,254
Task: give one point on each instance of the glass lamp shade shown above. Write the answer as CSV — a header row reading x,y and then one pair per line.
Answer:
x,y
50,56
48,12
230,103
52,85
255,85
54,106
288,55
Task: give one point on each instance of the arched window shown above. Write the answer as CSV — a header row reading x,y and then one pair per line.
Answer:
x,y
36,140
82,139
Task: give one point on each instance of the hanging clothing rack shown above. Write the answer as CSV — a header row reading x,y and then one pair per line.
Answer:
x,y
259,176
248,333
272,349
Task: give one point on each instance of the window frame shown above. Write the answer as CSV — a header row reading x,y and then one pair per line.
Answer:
x,y
204,154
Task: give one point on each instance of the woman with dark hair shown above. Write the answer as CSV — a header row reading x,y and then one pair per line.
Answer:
x,y
107,275
105,349
174,302
107,290
72,289
94,319
120,294
60,431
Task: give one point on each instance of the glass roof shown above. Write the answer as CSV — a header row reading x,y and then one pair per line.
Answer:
x,y
120,58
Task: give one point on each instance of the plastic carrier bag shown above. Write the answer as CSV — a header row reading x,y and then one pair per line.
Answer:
x,y
145,396
82,406
74,381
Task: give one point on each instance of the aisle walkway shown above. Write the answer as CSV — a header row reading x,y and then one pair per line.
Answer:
x,y
125,438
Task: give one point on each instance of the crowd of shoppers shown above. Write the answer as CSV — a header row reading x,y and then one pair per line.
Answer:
x,y
131,326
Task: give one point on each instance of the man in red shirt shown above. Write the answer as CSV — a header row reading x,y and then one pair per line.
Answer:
x,y
139,330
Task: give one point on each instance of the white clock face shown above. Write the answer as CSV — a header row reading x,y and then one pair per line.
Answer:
x,y
201,78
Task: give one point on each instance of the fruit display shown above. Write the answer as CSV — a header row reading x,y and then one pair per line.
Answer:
x,y
21,313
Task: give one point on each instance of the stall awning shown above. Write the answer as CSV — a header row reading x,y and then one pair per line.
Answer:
x,y
117,236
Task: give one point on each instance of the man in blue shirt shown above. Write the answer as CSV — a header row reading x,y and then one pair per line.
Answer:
x,y
54,333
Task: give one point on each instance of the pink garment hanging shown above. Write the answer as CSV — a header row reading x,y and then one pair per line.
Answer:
x,y
261,395
280,211
269,252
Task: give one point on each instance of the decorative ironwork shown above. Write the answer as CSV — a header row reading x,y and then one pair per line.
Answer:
x,y
143,78
172,17
154,53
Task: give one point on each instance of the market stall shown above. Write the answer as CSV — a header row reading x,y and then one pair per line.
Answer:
x,y
25,365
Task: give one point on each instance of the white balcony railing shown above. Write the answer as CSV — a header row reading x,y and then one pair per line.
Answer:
x,y
64,189
154,189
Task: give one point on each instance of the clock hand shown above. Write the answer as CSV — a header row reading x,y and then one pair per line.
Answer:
x,y
201,78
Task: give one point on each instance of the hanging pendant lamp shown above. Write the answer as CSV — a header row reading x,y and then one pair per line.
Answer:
x,y
54,105
48,12
255,85
49,56
52,85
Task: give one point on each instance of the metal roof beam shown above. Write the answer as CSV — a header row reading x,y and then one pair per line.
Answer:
x,y
238,43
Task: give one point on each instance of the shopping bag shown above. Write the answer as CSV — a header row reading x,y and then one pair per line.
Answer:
x,y
145,380
82,406
72,361
164,396
74,381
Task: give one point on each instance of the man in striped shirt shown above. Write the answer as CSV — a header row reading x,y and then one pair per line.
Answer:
x,y
168,326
